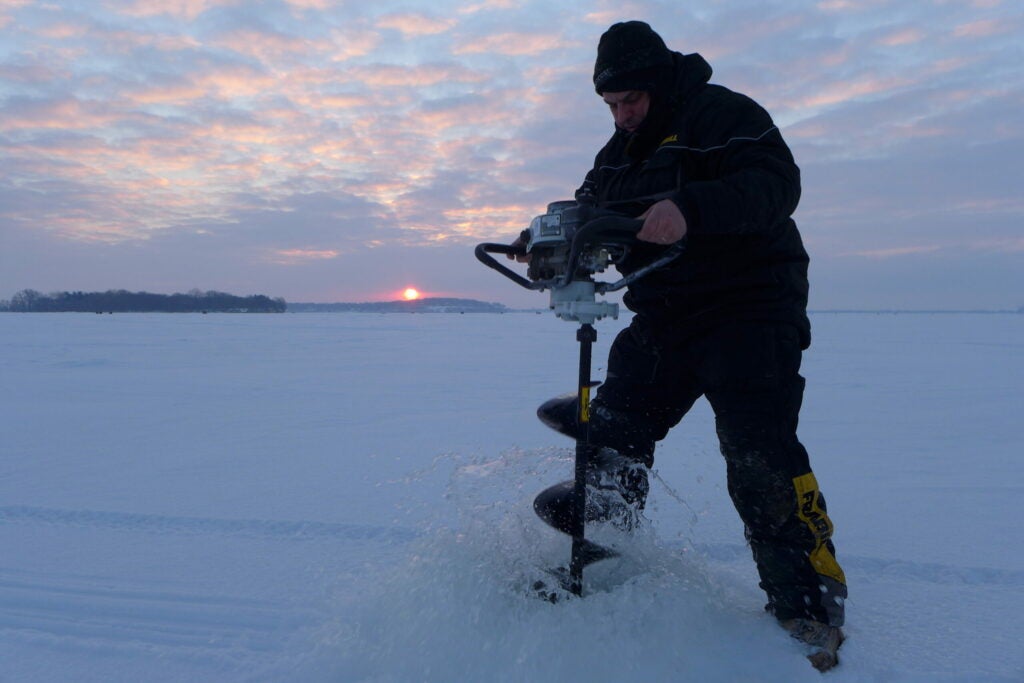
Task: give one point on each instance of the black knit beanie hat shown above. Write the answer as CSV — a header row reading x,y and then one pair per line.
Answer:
x,y
631,56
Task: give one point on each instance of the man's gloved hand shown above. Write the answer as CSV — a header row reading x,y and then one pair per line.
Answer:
x,y
521,258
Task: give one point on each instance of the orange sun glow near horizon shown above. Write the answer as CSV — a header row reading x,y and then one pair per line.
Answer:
x,y
410,294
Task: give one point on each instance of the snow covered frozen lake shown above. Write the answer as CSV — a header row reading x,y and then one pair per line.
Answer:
x,y
346,497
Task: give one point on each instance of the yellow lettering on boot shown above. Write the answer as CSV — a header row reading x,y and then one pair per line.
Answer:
x,y
810,512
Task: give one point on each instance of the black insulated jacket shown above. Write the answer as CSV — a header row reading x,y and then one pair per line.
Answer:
x,y
718,155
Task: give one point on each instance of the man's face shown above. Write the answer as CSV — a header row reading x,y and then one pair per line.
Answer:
x,y
629,108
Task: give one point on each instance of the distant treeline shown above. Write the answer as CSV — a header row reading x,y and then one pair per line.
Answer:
x,y
121,301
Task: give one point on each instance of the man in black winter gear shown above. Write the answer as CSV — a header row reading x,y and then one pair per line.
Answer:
x,y
726,320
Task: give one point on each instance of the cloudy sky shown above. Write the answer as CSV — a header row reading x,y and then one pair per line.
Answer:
x,y
335,150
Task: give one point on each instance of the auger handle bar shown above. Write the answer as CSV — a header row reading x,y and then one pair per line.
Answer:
x,y
483,254
618,230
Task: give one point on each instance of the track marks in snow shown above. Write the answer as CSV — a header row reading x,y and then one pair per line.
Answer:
x,y
877,568
246,528
205,622
64,609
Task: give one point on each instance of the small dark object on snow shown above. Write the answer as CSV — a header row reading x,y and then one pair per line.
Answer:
x,y
823,639
556,589
559,586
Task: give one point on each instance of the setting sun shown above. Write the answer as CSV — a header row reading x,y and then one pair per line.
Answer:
x,y
411,294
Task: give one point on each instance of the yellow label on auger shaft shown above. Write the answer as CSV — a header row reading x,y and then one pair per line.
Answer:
x,y
584,405
810,512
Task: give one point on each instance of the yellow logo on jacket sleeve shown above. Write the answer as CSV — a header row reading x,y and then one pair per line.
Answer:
x,y
670,138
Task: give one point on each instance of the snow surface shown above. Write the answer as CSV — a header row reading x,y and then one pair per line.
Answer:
x,y
346,497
